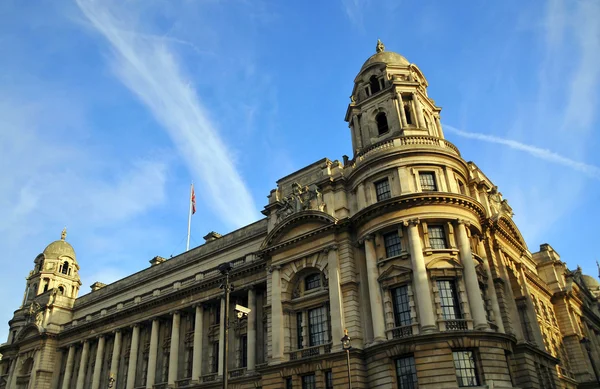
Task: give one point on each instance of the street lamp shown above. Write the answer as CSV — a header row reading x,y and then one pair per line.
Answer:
x,y
225,269
346,345
588,347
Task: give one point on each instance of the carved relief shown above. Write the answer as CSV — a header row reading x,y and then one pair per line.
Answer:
x,y
301,199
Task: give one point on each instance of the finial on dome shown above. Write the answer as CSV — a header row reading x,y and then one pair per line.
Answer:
x,y
380,47
63,234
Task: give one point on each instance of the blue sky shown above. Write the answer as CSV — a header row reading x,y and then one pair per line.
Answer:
x,y
109,109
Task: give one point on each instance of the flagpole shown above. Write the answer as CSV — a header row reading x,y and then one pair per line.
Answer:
x,y
187,246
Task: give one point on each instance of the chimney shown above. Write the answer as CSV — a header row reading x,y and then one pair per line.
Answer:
x,y
212,236
97,285
156,261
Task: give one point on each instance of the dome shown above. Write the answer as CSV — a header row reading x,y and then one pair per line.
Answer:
x,y
590,282
386,57
59,248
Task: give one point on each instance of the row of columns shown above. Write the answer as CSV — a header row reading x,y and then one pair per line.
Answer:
x,y
152,357
422,286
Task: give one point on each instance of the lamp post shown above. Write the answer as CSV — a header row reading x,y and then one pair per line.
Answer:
x,y
225,269
588,347
347,346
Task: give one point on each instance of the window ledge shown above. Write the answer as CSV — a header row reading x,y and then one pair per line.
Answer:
x,y
440,251
383,261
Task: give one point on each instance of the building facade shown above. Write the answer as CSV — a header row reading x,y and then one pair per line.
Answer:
x,y
406,245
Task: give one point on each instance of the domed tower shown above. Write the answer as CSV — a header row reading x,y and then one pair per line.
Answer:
x,y
389,99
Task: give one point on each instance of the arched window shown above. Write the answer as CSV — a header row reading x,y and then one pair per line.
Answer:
x,y
65,268
407,114
61,290
374,82
382,123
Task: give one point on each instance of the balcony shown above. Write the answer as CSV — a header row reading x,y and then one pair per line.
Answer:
x,y
162,385
209,377
401,332
182,383
456,325
235,373
310,352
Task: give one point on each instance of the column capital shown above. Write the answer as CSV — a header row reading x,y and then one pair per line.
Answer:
x,y
272,268
116,330
332,247
413,222
135,325
369,237
174,312
467,223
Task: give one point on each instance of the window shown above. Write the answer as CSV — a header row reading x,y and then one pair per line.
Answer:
x,y
309,382
217,312
244,351
382,190
437,237
288,383
401,306
374,83
449,300
466,373
215,357
328,380
300,338
382,123
65,268
61,290
427,180
317,326
407,114
406,373
312,281
461,188
392,243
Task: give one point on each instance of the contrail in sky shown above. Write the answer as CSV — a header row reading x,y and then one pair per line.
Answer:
x,y
150,70
545,154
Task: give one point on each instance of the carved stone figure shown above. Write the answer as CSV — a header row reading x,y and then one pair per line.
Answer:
x,y
302,198
380,47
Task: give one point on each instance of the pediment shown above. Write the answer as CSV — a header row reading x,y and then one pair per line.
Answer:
x,y
395,271
510,227
444,263
298,225
29,331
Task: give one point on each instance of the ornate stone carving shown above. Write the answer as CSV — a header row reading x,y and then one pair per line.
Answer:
x,y
498,205
35,313
380,46
301,199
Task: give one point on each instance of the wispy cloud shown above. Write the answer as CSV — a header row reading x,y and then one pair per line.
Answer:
x,y
354,11
150,69
545,154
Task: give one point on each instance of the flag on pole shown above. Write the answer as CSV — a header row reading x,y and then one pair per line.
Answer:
x,y
193,199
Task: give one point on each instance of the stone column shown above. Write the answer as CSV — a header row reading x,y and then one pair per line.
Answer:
x,y
357,132
69,368
116,354
59,355
361,200
419,119
152,354
335,297
471,282
276,315
36,364
174,350
133,354
438,125
491,288
98,364
12,383
221,337
374,291
251,358
421,282
401,109
83,364
197,361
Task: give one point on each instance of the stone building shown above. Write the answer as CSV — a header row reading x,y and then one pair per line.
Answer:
x,y
406,245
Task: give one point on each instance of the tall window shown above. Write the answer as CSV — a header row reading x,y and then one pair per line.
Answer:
x,y
244,351
328,380
437,237
382,190
312,281
215,357
406,373
382,123
65,268
427,180
466,371
392,243
299,329
374,83
401,306
449,300
309,382
407,114
317,326
288,383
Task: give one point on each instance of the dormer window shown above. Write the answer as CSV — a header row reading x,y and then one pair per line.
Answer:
x,y
375,84
382,123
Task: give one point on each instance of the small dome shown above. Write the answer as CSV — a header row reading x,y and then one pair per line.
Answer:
x,y
386,57
59,248
590,282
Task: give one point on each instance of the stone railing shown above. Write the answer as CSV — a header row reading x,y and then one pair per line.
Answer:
x,y
401,332
456,325
234,373
182,383
309,352
209,377
162,385
405,141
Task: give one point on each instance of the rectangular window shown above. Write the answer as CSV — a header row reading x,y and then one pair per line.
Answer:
x,y
217,315
215,357
317,326
392,243
466,372
449,300
244,350
461,188
288,383
300,338
328,380
382,190
406,373
312,281
427,180
437,237
401,306
309,382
